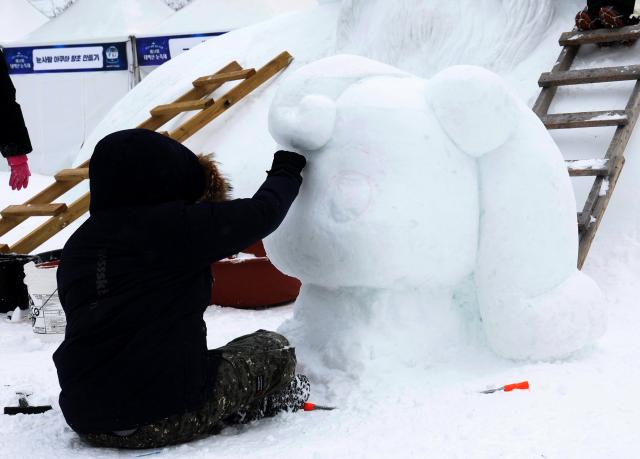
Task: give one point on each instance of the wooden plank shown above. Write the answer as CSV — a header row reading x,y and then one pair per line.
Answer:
x,y
578,37
587,167
59,188
181,107
223,77
155,122
605,187
595,206
52,226
585,76
79,207
566,58
585,119
74,175
45,196
34,210
221,105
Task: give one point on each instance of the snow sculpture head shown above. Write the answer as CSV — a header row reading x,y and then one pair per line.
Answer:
x,y
413,185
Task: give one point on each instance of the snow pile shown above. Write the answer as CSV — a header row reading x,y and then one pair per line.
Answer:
x,y
52,8
18,18
88,20
406,178
225,15
425,36
177,4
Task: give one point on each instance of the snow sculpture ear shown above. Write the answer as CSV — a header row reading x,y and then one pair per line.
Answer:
x,y
307,126
474,107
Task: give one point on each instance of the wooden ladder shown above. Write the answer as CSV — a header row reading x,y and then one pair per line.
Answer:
x,y
197,99
605,170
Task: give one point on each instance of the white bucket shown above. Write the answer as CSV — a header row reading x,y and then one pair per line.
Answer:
x,y
46,313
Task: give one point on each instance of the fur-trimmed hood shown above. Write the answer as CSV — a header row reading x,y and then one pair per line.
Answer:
x,y
138,167
216,186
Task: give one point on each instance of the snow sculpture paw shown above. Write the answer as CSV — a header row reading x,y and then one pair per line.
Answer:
x,y
549,326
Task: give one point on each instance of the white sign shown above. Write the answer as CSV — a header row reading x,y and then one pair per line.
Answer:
x,y
178,46
76,58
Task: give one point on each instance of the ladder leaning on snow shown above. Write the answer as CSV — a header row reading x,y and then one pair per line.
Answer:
x,y
198,98
606,170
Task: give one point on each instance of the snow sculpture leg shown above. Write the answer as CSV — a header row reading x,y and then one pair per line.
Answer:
x,y
534,303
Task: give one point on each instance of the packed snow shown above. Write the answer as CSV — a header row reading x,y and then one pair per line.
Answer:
x,y
224,15
87,20
52,8
18,19
406,378
363,237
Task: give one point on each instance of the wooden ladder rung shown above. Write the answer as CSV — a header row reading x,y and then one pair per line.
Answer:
x,y
585,119
577,37
72,175
224,77
585,76
588,167
34,210
235,94
180,107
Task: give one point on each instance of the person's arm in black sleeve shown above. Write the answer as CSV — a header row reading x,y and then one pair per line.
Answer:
x,y
14,137
218,230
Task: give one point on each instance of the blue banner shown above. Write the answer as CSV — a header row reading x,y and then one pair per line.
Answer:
x,y
67,58
158,50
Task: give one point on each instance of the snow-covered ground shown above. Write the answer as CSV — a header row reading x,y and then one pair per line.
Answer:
x,y
584,407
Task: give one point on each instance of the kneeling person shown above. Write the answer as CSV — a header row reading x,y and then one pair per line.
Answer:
x,y
134,281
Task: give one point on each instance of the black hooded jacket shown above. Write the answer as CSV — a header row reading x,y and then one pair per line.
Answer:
x,y
134,279
14,137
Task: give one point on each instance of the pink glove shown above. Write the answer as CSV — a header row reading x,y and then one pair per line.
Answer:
x,y
19,172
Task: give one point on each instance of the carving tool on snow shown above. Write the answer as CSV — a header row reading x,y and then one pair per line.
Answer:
x,y
308,406
524,385
24,407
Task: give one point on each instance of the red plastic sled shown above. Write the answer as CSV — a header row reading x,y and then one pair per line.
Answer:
x,y
251,282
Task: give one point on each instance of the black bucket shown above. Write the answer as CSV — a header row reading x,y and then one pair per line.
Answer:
x,y
13,291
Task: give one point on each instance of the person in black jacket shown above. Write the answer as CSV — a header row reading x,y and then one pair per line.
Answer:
x,y
134,281
14,137
605,13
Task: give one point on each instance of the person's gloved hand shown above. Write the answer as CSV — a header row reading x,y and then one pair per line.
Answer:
x,y
287,163
19,172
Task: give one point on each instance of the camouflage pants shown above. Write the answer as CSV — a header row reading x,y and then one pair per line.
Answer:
x,y
249,368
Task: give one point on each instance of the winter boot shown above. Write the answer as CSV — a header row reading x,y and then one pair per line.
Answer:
x,y
585,22
612,18
290,399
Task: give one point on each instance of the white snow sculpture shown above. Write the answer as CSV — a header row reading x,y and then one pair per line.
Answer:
x,y
412,186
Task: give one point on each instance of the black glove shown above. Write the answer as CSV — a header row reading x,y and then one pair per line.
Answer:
x,y
287,163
